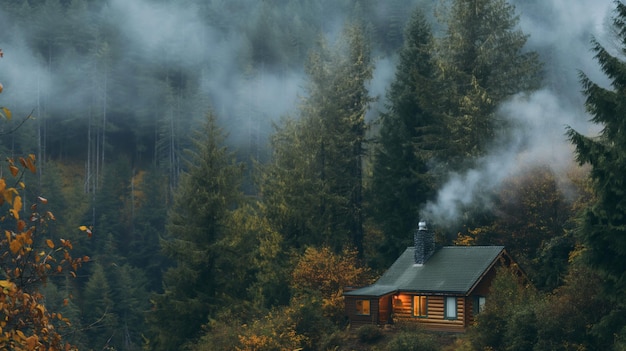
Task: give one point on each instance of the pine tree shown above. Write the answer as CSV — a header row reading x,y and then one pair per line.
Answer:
x,y
603,223
199,232
484,63
315,183
97,311
401,181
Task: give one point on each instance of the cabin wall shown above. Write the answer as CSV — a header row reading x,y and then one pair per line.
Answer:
x,y
484,285
435,319
482,289
357,320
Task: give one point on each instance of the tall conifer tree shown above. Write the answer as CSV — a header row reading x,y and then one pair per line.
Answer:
x,y
401,181
314,186
198,239
484,63
603,225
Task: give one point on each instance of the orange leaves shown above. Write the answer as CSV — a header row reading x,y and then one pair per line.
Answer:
x,y
26,260
5,112
17,207
67,243
29,163
26,322
21,225
87,230
5,284
20,243
15,246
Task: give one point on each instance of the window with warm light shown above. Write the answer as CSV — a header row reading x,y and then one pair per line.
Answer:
x,y
450,307
420,306
363,307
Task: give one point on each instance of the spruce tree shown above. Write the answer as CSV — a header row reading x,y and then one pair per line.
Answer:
x,y
314,185
401,181
99,320
199,231
484,63
603,223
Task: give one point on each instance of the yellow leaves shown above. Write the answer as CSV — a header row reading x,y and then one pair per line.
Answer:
x,y
66,243
29,163
328,272
86,229
5,112
25,266
5,284
15,246
20,243
17,207
31,342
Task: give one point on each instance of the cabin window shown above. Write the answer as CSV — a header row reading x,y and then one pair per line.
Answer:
x,y
479,304
363,307
450,307
420,306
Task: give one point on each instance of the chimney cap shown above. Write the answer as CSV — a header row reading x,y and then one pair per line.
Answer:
x,y
422,225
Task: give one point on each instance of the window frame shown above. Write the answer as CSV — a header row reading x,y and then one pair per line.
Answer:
x,y
360,311
479,304
420,314
450,300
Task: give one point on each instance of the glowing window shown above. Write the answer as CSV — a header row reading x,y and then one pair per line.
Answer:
x,y
363,307
420,306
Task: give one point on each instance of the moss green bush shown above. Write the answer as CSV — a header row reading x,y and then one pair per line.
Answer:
x,y
369,334
411,341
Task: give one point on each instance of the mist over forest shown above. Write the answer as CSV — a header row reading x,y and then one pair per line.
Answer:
x,y
146,63
215,150
243,58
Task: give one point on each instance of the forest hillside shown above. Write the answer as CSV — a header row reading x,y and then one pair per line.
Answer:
x,y
210,175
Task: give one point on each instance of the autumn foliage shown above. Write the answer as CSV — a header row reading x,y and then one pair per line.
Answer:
x,y
324,271
27,260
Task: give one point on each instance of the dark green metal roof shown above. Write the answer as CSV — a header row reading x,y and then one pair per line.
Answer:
x,y
451,270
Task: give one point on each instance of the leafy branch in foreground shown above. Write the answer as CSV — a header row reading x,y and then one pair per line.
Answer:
x,y
27,260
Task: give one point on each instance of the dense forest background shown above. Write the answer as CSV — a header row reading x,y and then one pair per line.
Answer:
x,y
240,162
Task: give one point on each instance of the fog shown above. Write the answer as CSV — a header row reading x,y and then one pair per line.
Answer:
x,y
561,32
209,48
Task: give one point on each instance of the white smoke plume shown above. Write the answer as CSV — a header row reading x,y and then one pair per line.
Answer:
x,y
564,30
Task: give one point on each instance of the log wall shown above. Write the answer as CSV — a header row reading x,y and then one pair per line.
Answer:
x,y
435,320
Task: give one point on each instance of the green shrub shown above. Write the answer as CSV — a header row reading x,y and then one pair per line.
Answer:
x,y
333,341
411,341
369,334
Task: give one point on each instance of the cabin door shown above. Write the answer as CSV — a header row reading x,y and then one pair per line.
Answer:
x,y
384,306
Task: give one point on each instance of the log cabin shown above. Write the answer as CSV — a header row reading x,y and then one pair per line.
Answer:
x,y
441,289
